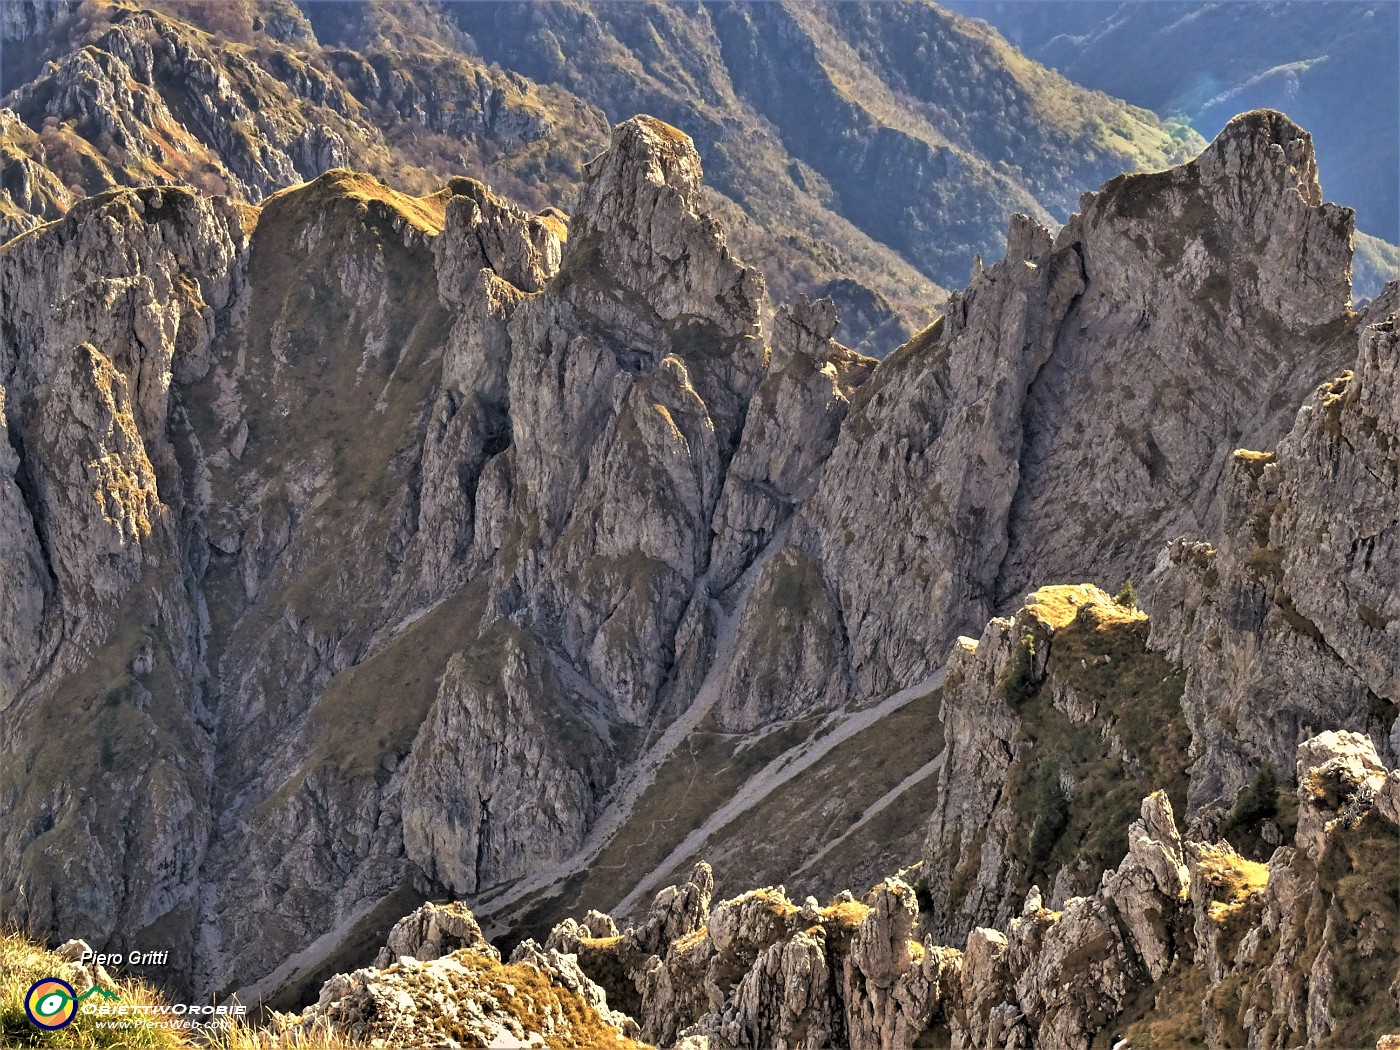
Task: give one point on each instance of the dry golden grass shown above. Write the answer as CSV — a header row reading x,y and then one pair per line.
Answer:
x,y
517,989
778,907
667,132
1170,1016
554,224
1245,455
691,940
22,962
245,1038
847,914
600,942
1058,606
426,214
1231,880
1254,462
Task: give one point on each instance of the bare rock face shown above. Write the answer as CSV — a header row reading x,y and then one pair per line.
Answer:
x,y
104,312
1155,870
942,424
527,443
483,231
1208,291
370,538
626,398
677,912
469,425
1071,412
112,89
501,780
898,987
23,573
792,426
1288,623
792,617
627,378
980,731
433,931
1304,946
1056,721
647,186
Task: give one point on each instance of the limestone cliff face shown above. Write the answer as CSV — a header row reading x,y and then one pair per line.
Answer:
x,y
800,108
103,644
1073,410
628,378
121,97
1289,621
350,446
1056,720
1264,638
793,423
219,130
438,981
1210,290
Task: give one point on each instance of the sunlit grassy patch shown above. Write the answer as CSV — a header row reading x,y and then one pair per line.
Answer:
x,y
1117,733
422,213
847,914
1232,881
1058,606
22,963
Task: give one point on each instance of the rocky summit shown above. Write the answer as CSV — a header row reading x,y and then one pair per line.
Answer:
x,y
430,610
798,107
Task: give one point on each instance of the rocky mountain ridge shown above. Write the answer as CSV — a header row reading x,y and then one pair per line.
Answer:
x,y
1183,942
247,98
426,533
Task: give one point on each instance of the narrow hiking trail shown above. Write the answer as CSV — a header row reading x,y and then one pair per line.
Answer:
x,y
779,772
498,912
922,773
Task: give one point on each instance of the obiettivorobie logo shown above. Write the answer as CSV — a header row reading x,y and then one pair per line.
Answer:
x,y
52,1003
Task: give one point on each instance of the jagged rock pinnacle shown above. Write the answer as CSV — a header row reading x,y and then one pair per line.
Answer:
x,y
1264,140
639,220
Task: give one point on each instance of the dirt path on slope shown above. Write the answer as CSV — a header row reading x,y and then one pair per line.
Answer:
x,y
922,773
778,773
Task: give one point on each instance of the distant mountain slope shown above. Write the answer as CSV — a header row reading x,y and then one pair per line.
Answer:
x,y
1332,67
1375,263
923,129
860,153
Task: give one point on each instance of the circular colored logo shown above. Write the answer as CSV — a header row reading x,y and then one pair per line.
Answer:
x,y
51,1003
